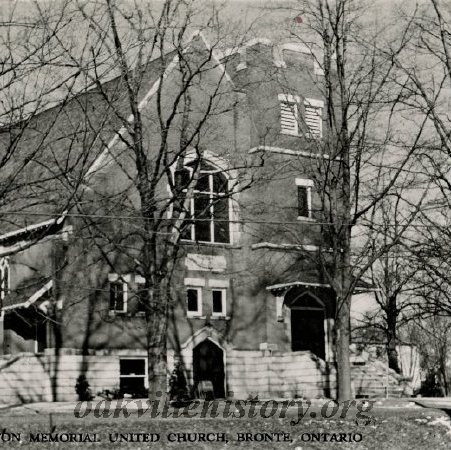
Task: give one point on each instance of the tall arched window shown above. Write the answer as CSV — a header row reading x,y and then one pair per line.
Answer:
x,y
208,215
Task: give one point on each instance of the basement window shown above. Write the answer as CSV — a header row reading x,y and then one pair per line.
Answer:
x,y
133,377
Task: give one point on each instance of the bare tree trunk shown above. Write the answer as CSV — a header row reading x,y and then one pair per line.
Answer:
x,y
392,338
343,340
343,319
156,332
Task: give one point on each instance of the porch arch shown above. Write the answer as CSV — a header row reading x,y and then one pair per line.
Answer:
x,y
307,322
209,334
306,311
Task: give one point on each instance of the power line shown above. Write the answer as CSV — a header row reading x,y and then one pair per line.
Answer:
x,y
306,221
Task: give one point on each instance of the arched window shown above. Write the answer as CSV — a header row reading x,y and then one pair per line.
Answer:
x,y
208,214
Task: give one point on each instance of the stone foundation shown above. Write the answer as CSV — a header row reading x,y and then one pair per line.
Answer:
x,y
278,374
249,373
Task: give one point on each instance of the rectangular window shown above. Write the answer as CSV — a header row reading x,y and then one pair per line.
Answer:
x,y
303,209
218,302
194,302
118,296
304,193
133,377
289,114
314,117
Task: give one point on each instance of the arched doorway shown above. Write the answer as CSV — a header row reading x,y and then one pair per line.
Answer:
x,y
307,324
208,365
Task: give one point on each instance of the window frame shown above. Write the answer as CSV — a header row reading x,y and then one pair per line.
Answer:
x,y
223,291
212,194
291,102
134,375
124,282
198,312
307,185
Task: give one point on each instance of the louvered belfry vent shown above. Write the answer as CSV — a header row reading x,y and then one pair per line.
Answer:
x,y
313,110
289,117
313,120
289,113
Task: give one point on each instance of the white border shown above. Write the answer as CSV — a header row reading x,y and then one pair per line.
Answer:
x,y
223,302
146,376
300,182
124,280
198,313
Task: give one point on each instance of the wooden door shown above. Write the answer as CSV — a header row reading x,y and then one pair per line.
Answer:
x,y
208,365
307,331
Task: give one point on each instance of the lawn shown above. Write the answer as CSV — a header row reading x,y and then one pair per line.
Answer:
x,y
394,428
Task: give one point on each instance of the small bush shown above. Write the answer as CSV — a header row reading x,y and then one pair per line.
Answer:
x,y
178,387
82,389
430,387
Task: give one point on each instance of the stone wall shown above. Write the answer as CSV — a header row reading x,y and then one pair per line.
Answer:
x,y
24,378
29,377
278,374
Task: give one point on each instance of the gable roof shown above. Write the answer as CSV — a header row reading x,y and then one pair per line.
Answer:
x,y
32,299
105,157
71,140
59,143
31,232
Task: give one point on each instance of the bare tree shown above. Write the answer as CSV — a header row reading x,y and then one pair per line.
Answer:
x,y
367,154
394,276
29,49
432,338
163,94
427,75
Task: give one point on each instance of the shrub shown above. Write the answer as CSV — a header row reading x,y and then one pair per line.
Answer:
x,y
82,389
178,387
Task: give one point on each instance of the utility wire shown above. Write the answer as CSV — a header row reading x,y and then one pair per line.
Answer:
x,y
307,221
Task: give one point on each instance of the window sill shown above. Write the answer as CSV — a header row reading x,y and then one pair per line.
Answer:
x,y
220,317
117,313
195,316
306,219
299,135
313,137
290,133
209,244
